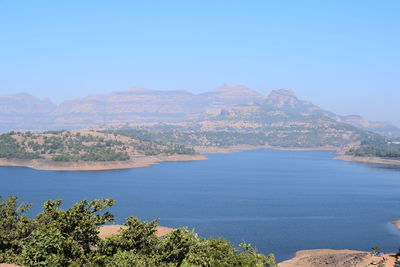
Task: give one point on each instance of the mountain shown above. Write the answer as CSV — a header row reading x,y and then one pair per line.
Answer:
x,y
226,95
280,120
24,111
382,128
287,99
159,102
25,104
141,105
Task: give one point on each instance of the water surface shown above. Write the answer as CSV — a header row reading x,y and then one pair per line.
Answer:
x,y
280,201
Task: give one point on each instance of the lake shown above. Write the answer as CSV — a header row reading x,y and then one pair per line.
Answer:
x,y
279,201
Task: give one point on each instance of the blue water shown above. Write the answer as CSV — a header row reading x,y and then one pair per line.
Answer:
x,y
280,201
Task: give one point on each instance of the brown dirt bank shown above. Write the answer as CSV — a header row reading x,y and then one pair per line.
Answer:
x,y
369,160
137,162
110,230
328,258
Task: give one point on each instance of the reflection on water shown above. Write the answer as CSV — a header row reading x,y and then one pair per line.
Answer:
x,y
383,166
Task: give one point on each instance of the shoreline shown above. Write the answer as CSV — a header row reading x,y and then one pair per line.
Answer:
x,y
146,161
142,161
333,257
136,162
373,160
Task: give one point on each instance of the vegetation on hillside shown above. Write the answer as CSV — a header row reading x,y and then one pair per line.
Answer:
x,y
377,146
80,146
57,237
291,134
10,148
387,151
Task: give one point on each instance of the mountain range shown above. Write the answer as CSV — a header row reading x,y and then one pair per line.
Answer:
x,y
140,105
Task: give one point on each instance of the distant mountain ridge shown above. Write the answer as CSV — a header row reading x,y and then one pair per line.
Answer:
x,y
25,104
139,105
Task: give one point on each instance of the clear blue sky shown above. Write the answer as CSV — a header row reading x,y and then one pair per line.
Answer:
x,y
342,55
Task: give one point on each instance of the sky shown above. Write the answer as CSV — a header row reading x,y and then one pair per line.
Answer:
x,y
342,55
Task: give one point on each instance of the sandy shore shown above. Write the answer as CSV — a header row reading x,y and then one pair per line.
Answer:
x,y
333,258
137,162
110,230
369,160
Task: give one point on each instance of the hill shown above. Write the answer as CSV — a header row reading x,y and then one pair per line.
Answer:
x,y
85,150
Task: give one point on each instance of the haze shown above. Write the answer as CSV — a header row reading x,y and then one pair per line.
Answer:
x,y
342,55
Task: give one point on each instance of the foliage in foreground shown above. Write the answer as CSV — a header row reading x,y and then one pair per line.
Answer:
x,y
57,237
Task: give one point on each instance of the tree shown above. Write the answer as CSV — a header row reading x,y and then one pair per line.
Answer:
x,y
176,246
81,222
47,246
14,227
138,236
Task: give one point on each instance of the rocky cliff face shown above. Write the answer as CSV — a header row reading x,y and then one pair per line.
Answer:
x,y
140,100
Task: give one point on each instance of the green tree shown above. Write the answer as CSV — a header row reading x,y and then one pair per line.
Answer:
x,y
81,222
138,236
47,246
14,227
177,245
